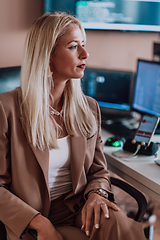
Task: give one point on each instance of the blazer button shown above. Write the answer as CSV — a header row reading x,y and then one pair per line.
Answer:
x,y
76,207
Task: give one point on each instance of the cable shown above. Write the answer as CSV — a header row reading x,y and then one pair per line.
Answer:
x,y
125,154
137,150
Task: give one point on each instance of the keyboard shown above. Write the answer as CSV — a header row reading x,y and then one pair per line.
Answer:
x,y
118,129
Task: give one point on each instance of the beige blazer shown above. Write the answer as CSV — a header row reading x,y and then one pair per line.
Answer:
x,y
24,169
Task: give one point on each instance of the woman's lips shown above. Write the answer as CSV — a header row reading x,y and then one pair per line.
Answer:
x,y
81,66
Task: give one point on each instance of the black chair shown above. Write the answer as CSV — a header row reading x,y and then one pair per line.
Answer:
x,y
136,194
2,231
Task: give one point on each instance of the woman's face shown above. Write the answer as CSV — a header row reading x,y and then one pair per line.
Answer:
x,y
69,59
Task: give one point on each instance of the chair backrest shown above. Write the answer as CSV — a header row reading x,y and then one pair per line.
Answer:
x,y
135,193
2,231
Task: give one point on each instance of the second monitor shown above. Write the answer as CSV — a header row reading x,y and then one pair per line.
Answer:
x,y
111,89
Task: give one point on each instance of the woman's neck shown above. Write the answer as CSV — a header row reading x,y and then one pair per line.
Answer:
x,y
57,93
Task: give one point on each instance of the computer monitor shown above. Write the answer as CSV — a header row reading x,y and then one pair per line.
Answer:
x,y
125,15
9,78
146,92
111,89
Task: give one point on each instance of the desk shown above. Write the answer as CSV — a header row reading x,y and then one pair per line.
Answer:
x,y
143,174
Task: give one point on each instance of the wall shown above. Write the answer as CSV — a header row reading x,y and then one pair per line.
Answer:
x,y
118,49
107,49
16,16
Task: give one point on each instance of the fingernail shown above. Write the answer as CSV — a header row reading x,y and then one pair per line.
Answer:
x,y
107,216
96,226
87,233
82,227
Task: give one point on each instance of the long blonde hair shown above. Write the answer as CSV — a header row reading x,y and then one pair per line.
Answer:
x,y
36,81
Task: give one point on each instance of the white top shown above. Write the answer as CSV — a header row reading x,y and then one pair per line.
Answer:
x,y
59,169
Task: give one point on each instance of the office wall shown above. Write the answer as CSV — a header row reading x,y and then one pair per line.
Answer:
x,y
107,49
16,16
118,49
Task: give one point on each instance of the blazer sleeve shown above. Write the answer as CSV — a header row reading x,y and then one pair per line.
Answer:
x,y
14,212
98,175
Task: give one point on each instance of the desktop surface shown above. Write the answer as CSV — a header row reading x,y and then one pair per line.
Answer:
x,y
140,171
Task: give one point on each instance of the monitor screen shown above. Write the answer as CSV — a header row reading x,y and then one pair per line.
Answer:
x,y
146,93
126,15
111,88
9,78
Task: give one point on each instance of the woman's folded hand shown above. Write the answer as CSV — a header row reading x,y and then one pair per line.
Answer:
x,y
93,207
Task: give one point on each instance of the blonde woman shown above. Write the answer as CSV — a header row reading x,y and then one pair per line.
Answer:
x,y
53,174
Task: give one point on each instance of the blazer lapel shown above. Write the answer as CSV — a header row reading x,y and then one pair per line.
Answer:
x,y
78,149
43,160
41,156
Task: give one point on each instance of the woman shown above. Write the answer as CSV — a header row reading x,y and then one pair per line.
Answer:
x,y
53,173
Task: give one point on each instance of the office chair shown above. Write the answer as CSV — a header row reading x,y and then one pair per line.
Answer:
x,y
136,194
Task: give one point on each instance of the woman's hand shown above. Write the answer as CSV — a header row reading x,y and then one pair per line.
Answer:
x,y
45,229
94,205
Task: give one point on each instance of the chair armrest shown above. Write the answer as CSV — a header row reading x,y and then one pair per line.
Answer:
x,y
135,193
33,233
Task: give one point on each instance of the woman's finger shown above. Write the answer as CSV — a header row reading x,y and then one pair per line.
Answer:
x,y
83,218
97,212
89,214
107,205
113,206
104,208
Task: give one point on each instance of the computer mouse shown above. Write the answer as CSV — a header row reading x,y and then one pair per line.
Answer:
x,y
114,142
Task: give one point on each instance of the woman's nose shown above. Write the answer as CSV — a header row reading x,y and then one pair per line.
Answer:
x,y
84,54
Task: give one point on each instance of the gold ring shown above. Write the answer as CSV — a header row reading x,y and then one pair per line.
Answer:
x,y
103,204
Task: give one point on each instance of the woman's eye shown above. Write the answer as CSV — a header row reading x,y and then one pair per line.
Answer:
x,y
73,47
76,46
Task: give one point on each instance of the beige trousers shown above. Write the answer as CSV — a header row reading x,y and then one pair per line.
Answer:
x,y
117,227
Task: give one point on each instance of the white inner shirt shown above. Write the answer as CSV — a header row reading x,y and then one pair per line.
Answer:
x,y
59,169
